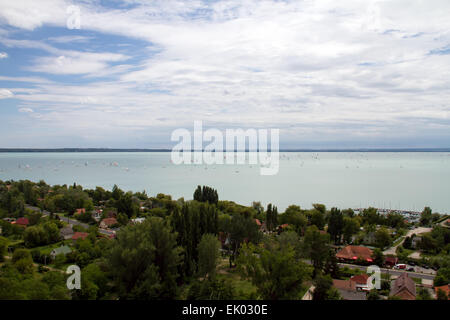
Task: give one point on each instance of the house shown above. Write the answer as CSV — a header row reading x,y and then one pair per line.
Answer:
x,y
97,214
80,235
24,222
80,211
137,220
347,290
390,261
66,232
108,222
353,253
403,287
445,288
61,250
360,281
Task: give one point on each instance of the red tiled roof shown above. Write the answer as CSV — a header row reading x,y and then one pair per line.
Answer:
x,y
22,221
355,252
391,260
344,285
445,288
403,282
80,211
109,221
80,235
360,278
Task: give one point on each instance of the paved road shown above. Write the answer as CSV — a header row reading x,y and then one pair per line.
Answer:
x,y
392,272
419,230
69,220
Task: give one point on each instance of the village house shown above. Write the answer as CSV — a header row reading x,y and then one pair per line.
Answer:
x,y
360,281
61,250
108,222
390,261
66,232
403,287
415,241
353,253
24,222
348,291
80,211
80,235
137,220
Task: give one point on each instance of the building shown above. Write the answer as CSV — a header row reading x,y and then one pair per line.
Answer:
x,y
347,290
108,222
445,288
80,235
403,287
137,220
390,261
61,250
80,211
354,253
24,222
360,281
66,232
415,241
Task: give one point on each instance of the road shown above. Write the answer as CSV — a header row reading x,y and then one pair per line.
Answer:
x,y
392,272
69,220
419,230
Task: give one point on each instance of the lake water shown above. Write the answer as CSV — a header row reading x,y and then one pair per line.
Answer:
x,y
398,180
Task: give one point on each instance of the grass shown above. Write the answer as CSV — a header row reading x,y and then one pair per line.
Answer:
x,y
244,288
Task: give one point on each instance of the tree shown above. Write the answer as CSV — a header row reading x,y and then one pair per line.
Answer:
x,y
426,216
336,224
23,261
316,247
441,295
3,248
378,257
144,259
324,289
423,294
211,290
373,295
318,219
276,272
208,255
351,227
295,218
382,238
206,194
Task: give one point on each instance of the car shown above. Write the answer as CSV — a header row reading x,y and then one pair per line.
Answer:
x,y
410,269
412,264
400,266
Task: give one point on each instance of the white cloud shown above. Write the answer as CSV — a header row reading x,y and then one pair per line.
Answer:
x,y
26,110
3,55
5,93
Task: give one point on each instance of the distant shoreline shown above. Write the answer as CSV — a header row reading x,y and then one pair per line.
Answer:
x,y
72,150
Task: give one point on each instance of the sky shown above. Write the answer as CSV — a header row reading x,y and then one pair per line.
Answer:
x,y
125,74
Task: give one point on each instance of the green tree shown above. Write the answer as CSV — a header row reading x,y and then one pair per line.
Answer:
x,y
276,272
23,261
316,247
3,248
324,289
208,255
336,224
426,216
144,259
382,238
351,227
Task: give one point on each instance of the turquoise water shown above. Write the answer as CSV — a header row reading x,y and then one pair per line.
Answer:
x,y
400,180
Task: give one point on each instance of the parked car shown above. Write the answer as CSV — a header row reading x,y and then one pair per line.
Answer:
x,y
410,269
400,266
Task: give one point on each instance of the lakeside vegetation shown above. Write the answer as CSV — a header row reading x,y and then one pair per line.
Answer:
x,y
156,247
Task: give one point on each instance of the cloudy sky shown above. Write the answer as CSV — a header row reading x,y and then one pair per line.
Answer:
x,y
326,73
